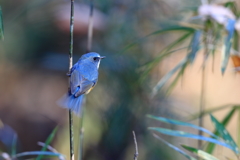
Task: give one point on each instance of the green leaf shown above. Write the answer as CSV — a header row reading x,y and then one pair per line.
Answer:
x,y
161,31
210,146
165,52
14,143
200,153
227,44
48,141
189,135
195,45
206,112
175,148
168,76
180,123
224,134
174,82
1,25
34,153
173,28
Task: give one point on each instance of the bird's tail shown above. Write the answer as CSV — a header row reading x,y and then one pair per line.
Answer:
x,y
73,103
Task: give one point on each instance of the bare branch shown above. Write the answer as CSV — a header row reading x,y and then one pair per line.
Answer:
x,y
90,28
136,146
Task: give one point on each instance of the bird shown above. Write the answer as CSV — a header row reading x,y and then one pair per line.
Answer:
x,y
83,78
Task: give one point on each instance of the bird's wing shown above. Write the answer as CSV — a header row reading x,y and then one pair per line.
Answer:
x,y
85,87
75,81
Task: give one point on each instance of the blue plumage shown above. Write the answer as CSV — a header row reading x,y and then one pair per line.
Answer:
x,y
83,78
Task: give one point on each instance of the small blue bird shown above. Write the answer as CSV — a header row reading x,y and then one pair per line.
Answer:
x,y
83,78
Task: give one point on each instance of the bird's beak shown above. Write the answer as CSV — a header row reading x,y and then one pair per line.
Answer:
x,y
102,57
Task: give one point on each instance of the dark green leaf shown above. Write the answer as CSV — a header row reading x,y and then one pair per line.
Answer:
x,y
210,147
48,141
224,134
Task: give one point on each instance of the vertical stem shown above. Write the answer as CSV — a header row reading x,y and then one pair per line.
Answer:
x,y
202,104
136,146
70,66
90,28
89,48
81,137
238,128
207,41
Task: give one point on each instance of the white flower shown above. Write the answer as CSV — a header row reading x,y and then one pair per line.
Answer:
x,y
219,13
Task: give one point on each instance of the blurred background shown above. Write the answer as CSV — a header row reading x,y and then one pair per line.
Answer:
x,y
34,63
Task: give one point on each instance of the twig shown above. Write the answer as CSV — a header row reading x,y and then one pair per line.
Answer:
x,y
136,146
90,28
207,41
81,137
50,148
70,66
89,48
238,129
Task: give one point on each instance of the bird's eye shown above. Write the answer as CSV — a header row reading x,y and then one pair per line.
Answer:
x,y
95,58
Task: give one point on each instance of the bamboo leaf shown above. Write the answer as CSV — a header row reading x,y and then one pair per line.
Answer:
x,y
206,112
210,146
224,134
227,44
173,28
34,153
161,31
189,135
168,76
180,123
14,144
200,153
165,52
175,148
195,45
174,82
48,141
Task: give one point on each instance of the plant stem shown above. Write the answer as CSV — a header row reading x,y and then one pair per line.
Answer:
x,y
90,28
238,128
136,146
207,41
89,48
81,137
202,105
70,66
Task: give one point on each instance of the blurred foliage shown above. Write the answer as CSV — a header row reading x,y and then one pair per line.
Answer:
x,y
35,53
133,35
225,138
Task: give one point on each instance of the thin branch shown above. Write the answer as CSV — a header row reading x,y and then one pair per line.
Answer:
x,y
81,137
50,148
90,28
70,66
136,146
89,48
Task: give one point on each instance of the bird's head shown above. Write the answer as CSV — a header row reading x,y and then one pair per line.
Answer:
x,y
92,57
